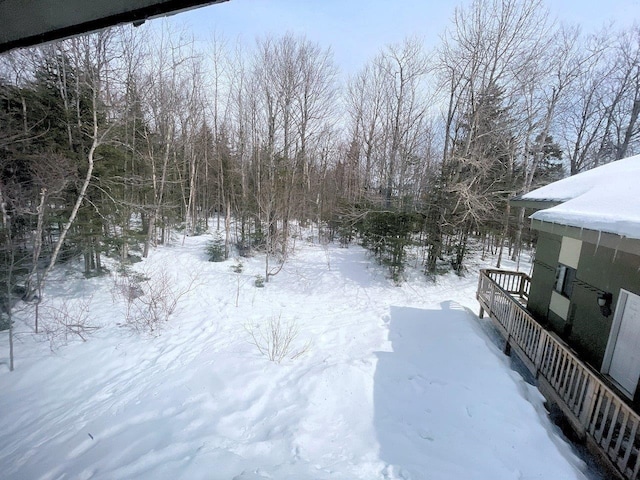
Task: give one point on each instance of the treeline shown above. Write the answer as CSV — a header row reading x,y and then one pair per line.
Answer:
x,y
112,141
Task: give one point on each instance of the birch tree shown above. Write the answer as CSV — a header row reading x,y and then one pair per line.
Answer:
x,y
91,55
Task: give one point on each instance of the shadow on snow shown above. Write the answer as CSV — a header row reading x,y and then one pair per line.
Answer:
x,y
405,382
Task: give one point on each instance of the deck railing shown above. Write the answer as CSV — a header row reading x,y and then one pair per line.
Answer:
x,y
593,408
515,283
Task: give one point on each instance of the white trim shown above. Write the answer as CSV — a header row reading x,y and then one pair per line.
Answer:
x,y
613,333
559,305
570,249
613,337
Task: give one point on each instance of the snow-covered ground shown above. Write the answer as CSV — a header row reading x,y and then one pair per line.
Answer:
x,y
399,382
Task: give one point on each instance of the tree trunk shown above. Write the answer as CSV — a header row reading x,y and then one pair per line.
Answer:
x,y
10,254
79,200
505,232
227,230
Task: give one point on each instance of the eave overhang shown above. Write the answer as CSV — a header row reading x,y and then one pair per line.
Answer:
x,y
599,238
534,204
31,22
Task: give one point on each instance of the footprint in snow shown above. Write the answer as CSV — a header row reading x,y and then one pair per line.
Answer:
x,y
389,472
425,435
251,476
439,383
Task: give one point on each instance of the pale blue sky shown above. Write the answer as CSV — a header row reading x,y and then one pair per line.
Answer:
x,y
357,29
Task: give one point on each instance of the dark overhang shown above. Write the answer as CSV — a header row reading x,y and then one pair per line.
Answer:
x,y
600,238
30,22
534,204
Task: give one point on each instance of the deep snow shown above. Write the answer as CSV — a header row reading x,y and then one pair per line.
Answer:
x,y
399,382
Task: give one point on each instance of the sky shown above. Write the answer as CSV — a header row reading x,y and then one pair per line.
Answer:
x,y
356,30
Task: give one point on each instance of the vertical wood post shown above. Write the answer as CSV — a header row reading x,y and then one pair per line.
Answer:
x,y
511,316
542,343
509,327
492,298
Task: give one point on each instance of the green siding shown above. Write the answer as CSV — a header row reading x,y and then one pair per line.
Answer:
x,y
544,275
600,269
612,265
609,270
548,248
590,329
557,324
540,291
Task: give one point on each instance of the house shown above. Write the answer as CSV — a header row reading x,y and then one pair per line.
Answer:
x,y
576,322
585,284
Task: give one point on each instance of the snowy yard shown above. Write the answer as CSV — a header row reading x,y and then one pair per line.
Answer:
x,y
399,382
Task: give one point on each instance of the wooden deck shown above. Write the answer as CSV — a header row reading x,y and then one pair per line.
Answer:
x,y
608,424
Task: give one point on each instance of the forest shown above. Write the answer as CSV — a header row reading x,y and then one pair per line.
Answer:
x,y
117,141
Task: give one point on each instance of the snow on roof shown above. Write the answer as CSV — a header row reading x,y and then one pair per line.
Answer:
x,y
606,199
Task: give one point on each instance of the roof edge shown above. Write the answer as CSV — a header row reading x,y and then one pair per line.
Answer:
x,y
128,14
519,201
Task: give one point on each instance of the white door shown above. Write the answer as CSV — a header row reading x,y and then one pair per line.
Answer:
x,y
624,342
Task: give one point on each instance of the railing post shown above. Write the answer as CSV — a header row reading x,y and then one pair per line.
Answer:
x,y
481,281
509,327
511,314
542,344
492,298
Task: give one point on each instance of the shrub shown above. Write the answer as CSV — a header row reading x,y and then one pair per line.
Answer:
x,y
67,320
237,267
275,339
200,228
4,321
387,234
215,249
150,298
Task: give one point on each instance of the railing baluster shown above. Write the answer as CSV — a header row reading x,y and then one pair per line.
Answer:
x,y
627,454
542,344
612,427
492,296
577,392
546,357
566,370
605,417
560,370
596,414
623,429
636,468
569,385
556,360
588,412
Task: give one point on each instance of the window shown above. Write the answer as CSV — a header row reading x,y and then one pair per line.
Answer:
x,y
564,280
